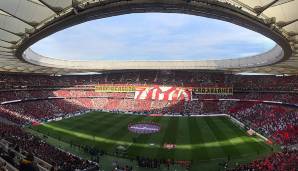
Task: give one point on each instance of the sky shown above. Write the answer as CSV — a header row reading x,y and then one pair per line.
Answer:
x,y
153,36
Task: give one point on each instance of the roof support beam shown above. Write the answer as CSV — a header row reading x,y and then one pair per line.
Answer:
x,y
282,24
292,34
14,16
281,2
1,55
50,7
260,9
7,15
6,47
16,34
293,40
7,41
6,51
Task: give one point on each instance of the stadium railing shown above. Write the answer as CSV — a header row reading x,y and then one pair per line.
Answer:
x,y
8,165
42,165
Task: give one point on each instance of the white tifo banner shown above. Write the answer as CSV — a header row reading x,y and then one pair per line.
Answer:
x,y
162,93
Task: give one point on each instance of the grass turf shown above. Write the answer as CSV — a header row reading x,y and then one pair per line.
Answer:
x,y
200,139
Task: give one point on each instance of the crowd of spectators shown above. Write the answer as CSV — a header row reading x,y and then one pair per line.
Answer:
x,y
119,167
179,78
281,161
24,142
40,98
274,121
148,163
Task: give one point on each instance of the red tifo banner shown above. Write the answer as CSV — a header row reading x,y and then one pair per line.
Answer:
x,y
163,93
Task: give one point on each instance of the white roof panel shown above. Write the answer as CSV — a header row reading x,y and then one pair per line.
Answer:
x,y
20,16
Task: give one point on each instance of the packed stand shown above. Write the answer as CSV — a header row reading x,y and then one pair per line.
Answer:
x,y
282,161
21,140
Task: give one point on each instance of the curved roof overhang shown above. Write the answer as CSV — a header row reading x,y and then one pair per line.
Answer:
x,y
274,55
65,13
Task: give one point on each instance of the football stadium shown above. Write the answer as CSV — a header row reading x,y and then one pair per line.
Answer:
x,y
148,85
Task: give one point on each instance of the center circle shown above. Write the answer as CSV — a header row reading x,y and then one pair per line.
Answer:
x,y
144,128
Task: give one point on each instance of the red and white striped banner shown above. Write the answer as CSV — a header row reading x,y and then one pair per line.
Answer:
x,y
163,93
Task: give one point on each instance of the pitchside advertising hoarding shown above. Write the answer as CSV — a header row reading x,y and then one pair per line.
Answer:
x,y
168,93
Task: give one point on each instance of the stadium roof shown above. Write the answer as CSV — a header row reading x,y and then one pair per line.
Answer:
x,y
24,22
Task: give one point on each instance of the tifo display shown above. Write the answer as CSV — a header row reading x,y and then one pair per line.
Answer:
x,y
156,91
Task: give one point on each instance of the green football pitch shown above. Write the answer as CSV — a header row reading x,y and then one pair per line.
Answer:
x,y
196,138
